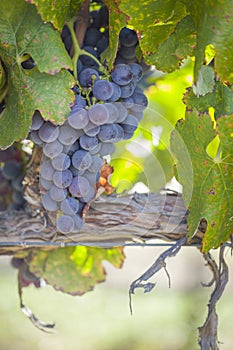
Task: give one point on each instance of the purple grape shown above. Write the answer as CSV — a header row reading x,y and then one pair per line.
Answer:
x,y
78,119
93,178
78,223
128,37
91,129
122,110
92,36
127,53
87,60
48,132
109,132
81,160
103,90
65,224
69,206
37,121
122,74
49,203
46,170
87,76
45,183
137,71
68,135
112,111
34,136
52,149
62,179
80,187
96,164
61,162
88,143
57,194
116,93
140,102
98,114
130,124
127,90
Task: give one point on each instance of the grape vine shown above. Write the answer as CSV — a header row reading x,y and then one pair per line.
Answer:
x,y
72,83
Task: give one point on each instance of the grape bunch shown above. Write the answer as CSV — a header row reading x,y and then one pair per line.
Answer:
x,y
108,107
12,172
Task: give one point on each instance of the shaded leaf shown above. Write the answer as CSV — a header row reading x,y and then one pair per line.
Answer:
x,y
214,22
74,270
178,46
211,191
57,12
221,99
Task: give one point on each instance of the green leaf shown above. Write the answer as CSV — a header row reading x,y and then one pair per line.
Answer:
x,y
142,14
117,20
30,91
221,99
33,37
57,12
33,89
211,190
178,46
74,270
156,21
214,22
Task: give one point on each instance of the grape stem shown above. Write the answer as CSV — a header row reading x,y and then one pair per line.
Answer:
x,y
78,51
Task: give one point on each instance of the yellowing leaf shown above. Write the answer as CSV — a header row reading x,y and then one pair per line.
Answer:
x,y
74,270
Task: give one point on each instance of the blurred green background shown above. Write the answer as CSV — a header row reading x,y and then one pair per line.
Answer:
x,y
165,319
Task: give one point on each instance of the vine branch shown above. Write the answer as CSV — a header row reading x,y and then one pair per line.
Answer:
x,y
153,269
111,220
208,339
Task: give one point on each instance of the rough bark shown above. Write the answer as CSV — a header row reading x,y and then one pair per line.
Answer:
x,y
111,220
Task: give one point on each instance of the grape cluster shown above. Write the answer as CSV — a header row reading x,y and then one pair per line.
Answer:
x,y
107,109
12,173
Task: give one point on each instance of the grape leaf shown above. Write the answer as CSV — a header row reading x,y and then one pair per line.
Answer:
x,y
74,270
117,20
31,89
221,99
57,12
156,22
212,188
20,36
178,46
214,22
